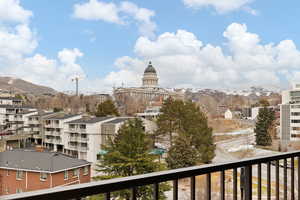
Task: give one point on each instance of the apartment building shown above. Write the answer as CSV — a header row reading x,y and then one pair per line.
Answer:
x,y
36,126
10,101
13,118
290,114
24,170
84,137
55,137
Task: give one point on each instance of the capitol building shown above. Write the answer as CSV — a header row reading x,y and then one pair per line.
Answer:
x,y
149,91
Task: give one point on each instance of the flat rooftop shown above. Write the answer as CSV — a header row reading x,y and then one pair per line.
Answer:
x,y
61,116
10,98
118,120
89,120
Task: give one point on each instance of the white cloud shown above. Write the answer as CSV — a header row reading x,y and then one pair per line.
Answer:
x,y
123,13
182,59
12,11
221,6
56,73
16,41
18,56
97,10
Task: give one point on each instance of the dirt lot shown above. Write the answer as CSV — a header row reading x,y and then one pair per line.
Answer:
x,y
226,125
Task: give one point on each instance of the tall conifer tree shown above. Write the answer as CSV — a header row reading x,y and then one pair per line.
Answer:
x,y
107,108
128,154
186,122
265,119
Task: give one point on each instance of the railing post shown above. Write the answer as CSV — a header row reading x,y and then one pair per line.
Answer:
x,y
175,189
248,183
107,196
156,191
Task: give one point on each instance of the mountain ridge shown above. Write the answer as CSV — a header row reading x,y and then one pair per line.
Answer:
x,y
17,85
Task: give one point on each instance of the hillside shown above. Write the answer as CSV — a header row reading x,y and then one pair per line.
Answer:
x,y
20,86
214,102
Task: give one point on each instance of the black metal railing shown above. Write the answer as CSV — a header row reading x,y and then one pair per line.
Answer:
x,y
242,173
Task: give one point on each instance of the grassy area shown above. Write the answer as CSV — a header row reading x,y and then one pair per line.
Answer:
x,y
226,137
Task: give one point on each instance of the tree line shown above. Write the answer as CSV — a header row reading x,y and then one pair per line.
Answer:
x,y
129,152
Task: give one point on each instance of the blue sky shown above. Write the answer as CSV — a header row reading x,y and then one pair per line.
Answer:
x,y
192,43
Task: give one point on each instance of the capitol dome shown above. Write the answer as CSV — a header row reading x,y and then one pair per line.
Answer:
x,y
150,69
150,77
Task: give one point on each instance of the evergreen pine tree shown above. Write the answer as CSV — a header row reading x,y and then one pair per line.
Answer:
x,y
169,121
107,108
189,125
265,119
182,154
128,155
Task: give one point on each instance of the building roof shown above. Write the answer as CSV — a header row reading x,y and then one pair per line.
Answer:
x,y
24,112
10,98
118,120
42,114
150,69
14,106
29,160
61,116
89,120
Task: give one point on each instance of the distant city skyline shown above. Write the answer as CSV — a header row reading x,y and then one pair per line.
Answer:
x,y
191,43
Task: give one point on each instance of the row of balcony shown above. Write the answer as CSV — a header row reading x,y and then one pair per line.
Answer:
x,y
82,130
78,139
78,148
52,125
53,140
52,133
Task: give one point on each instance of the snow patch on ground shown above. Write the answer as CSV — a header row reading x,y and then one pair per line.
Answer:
x,y
239,132
241,148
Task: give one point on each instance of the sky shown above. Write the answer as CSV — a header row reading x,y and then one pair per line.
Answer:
x,y
221,44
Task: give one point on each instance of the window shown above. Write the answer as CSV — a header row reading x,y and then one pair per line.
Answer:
x,y
19,175
7,172
43,176
295,113
295,136
295,93
7,190
66,175
296,121
75,172
86,170
19,190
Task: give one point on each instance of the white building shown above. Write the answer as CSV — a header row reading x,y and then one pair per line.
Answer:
x,y
83,137
14,118
228,114
290,114
150,113
254,112
36,126
55,137
10,101
149,90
